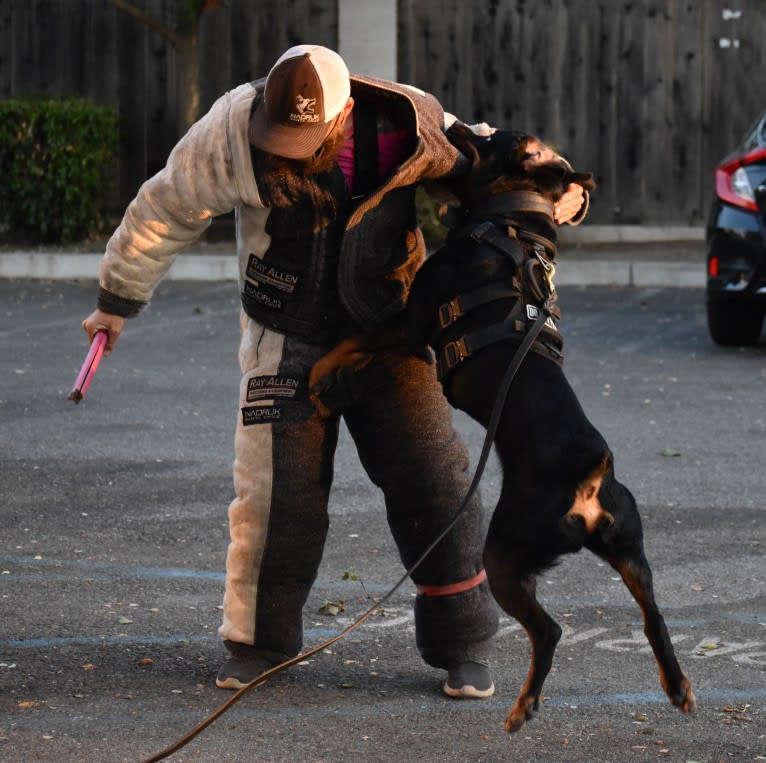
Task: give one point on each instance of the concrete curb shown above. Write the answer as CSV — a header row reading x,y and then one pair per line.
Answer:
x,y
575,271
637,256
78,265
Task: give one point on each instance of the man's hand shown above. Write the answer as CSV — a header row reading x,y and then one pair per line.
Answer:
x,y
112,324
569,204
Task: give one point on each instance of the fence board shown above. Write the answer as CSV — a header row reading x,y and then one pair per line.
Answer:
x,y
647,93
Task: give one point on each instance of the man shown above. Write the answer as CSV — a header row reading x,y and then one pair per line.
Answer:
x,y
321,170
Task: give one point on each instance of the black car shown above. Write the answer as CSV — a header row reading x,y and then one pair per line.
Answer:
x,y
736,243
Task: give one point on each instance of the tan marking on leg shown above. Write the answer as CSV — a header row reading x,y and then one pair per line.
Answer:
x,y
586,504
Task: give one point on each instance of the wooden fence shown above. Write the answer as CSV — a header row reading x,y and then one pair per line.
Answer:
x,y
649,94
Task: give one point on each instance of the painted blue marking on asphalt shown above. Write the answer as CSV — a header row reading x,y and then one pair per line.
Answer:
x,y
102,570
119,570
653,697
317,634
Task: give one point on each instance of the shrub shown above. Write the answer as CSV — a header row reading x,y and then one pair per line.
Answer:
x,y
55,163
434,232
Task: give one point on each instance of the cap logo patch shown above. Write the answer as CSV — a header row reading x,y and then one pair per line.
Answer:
x,y
305,108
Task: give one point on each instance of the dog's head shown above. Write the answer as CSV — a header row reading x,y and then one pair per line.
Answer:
x,y
511,161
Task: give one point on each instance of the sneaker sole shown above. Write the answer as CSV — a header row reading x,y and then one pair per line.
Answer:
x,y
229,683
468,692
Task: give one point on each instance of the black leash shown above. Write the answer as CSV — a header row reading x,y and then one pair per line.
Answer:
x,y
489,438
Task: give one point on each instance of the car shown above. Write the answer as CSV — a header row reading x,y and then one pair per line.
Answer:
x,y
735,237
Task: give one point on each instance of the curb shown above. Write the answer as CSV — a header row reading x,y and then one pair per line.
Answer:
x,y
634,258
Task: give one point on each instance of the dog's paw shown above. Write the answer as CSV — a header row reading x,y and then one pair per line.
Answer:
x,y
523,710
684,698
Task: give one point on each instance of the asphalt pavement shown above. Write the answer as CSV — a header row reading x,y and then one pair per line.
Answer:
x,y
114,538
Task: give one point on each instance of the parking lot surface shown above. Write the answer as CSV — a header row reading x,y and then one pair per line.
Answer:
x,y
114,534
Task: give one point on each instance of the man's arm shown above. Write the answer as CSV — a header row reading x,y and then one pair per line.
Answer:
x,y
171,210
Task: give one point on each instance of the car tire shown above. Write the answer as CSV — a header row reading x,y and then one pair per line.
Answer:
x,y
734,325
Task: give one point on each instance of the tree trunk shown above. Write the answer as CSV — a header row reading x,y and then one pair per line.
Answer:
x,y
187,77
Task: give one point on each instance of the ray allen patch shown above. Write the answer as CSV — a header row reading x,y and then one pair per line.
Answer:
x,y
280,279
261,414
266,387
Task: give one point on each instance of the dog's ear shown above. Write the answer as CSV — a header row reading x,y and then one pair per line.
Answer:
x,y
585,179
465,140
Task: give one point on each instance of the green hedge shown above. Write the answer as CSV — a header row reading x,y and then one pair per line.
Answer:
x,y
55,164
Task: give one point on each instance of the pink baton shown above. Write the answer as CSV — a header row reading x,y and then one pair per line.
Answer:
x,y
88,370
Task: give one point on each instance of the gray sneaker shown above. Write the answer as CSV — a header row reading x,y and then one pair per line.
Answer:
x,y
469,680
245,663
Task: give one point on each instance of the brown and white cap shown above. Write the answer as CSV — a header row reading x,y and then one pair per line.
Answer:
x,y
305,92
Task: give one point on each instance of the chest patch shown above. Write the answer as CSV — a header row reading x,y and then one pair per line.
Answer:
x,y
261,297
268,274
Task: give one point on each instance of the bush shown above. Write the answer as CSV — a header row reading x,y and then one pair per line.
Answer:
x,y
55,162
434,232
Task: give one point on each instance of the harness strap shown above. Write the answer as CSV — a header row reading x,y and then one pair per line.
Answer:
x,y
518,201
456,308
502,239
458,350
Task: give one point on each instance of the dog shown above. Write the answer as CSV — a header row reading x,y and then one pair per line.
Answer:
x,y
472,302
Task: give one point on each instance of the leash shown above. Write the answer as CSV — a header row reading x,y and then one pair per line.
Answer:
x,y
494,421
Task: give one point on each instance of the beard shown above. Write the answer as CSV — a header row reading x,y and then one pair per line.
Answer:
x,y
289,182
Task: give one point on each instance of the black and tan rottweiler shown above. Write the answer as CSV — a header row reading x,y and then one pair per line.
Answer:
x,y
473,301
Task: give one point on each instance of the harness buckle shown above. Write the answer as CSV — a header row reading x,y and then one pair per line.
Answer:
x,y
549,269
449,312
456,352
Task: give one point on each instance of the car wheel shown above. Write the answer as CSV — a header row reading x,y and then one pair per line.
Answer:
x,y
733,324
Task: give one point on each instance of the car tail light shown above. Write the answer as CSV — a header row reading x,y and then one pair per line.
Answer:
x,y
732,183
712,267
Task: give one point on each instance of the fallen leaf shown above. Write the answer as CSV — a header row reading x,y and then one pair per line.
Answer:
x,y
27,703
88,666
697,587
332,608
124,620
146,661
670,453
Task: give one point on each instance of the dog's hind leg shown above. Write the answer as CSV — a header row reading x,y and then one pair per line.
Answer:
x,y
622,547
515,592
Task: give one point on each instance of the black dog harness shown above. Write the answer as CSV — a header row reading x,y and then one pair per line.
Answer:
x,y
533,260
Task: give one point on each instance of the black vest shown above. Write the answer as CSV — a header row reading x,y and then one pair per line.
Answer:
x,y
293,289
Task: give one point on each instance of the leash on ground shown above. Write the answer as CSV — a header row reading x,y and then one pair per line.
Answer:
x,y
489,438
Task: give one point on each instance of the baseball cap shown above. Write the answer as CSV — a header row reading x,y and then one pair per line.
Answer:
x,y
305,92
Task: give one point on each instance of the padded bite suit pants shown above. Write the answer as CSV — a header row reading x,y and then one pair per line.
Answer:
x,y
402,427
